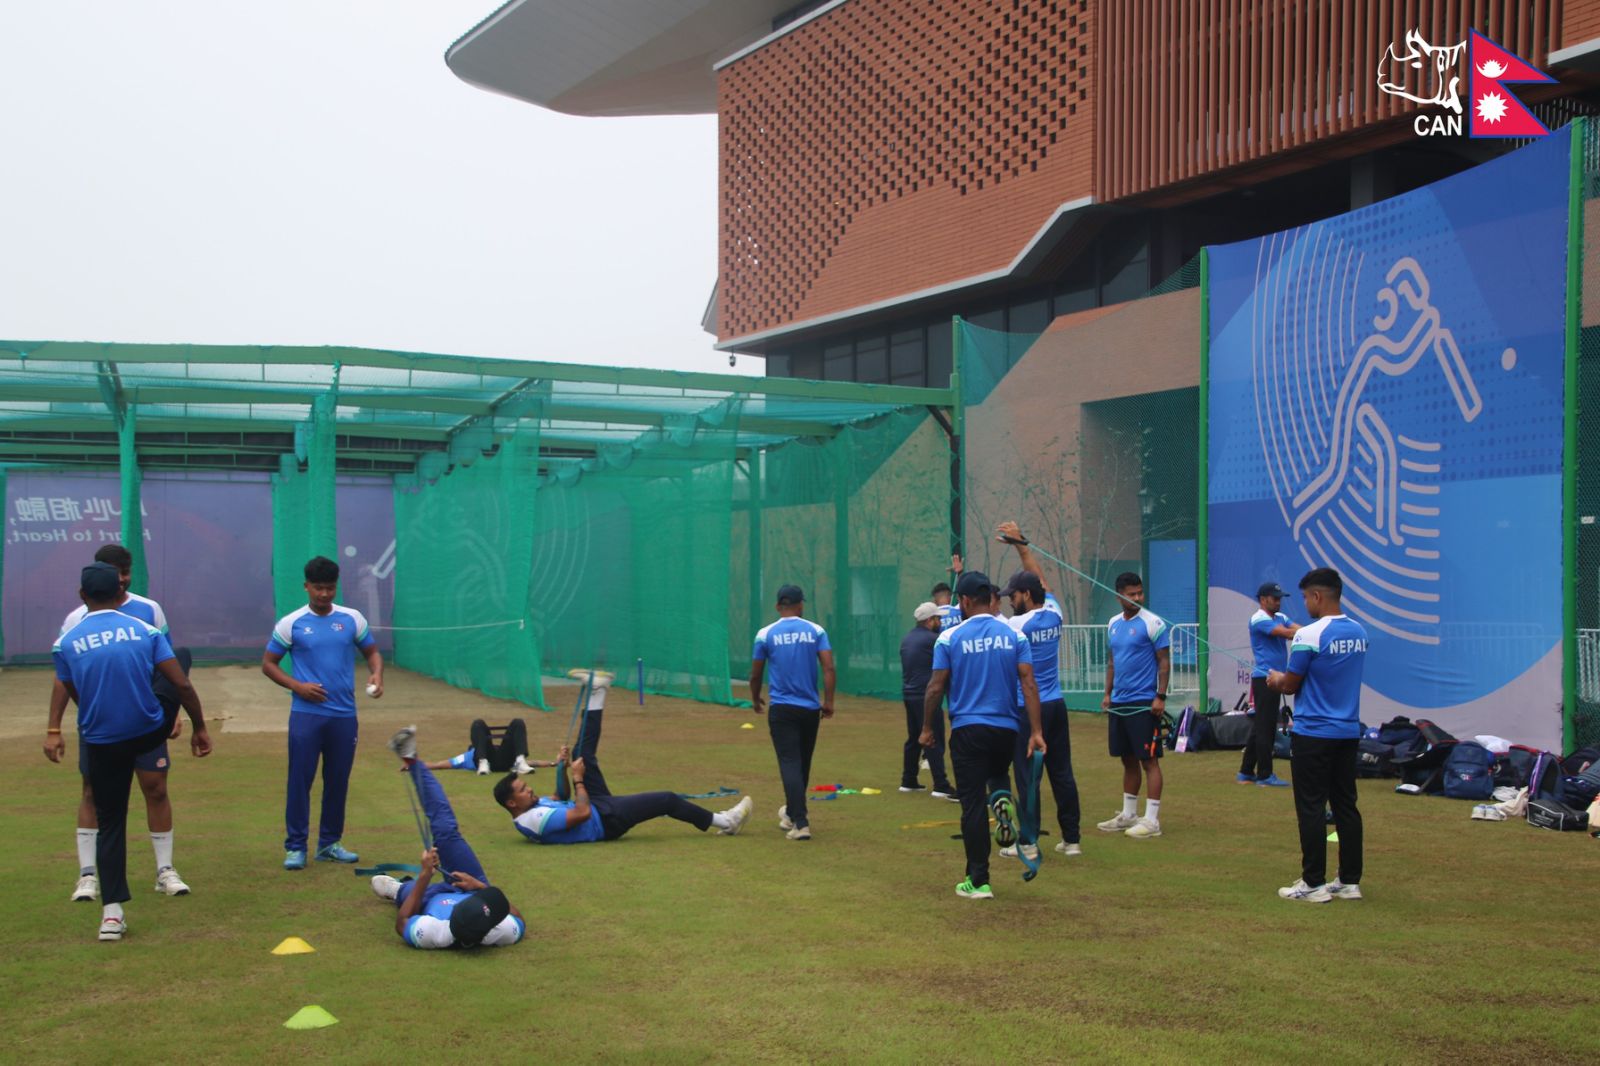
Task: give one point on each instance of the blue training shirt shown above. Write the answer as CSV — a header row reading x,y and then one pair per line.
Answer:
x,y
464,761
791,647
949,615
547,824
140,607
320,646
982,654
109,657
1271,653
1132,644
430,928
1042,627
1330,654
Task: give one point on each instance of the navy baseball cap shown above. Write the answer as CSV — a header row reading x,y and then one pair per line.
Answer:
x,y
475,916
1025,581
100,581
1270,588
791,594
975,583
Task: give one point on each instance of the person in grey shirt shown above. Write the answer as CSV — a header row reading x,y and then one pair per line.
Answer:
x,y
916,665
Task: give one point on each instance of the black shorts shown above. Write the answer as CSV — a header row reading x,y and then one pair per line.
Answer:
x,y
1135,734
153,760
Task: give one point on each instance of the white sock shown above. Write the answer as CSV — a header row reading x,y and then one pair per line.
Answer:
x,y
720,820
111,910
1152,810
1130,805
162,842
86,842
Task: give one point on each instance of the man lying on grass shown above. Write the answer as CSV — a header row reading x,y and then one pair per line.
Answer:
x,y
585,819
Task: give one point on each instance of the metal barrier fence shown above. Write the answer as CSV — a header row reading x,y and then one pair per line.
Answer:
x,y
1083,661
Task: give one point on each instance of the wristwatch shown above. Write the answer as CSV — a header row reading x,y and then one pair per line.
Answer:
x,y
1161,695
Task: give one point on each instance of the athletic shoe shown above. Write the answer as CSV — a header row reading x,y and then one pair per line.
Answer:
x,y
404,742
1120,824
336,853
946,793
386,887
1069,849
1245,779
1030,850
294,860
1143,829
1305,893
737,815
88,888
1339,890
1272,781
112,928
799,832
968,890
520,766
168,883
923,764
483,767
912,788
784,821
1005,821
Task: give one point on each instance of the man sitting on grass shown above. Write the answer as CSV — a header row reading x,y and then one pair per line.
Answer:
x,y
585,819
463,910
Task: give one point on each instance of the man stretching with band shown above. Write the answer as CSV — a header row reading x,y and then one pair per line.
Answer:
x,y
586,819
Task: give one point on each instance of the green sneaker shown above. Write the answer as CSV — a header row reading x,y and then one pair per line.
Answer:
x,y
966,890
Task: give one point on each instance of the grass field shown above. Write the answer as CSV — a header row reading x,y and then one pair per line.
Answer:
x,y
1475,941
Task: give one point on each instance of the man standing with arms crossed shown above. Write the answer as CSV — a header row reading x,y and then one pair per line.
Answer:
x,y
105,662
1326,661
150,769
322,716
1270,630
980,662
795,648
1138,664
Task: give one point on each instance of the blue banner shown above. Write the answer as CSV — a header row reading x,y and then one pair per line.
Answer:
x,y
1386,398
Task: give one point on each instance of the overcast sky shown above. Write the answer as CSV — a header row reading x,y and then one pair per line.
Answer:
x,y
303,172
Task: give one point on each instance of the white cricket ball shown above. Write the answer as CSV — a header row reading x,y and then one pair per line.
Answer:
x,y
372,690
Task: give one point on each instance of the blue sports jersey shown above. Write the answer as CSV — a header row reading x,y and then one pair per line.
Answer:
x,y
1133,643
1271,653
547,824
140,607
430,927
949,615
790,647
982,654
320,648
109,657
464,761
1330,654
1042,627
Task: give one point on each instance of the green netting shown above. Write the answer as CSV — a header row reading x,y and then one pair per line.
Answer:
x,y
1085,436
860,521
1585,726
303,505
2,564
463,560
132,500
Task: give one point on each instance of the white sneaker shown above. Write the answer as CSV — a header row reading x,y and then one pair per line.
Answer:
x,y
404,742
1120,824
88,888
1306,893
168,883
940,794
1339,890
112,928
520,766
483,767
385,887
1030,850
1143,829
800,833
1069,849
737,815
784,821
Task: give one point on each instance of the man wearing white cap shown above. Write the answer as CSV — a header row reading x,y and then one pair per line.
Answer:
x,y
916,665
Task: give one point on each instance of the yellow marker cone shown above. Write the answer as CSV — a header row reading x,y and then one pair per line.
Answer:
x,y
872,791
310,1018
1333,837
293,946
748,725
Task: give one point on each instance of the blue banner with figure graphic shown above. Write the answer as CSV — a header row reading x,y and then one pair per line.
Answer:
x,y
1386,398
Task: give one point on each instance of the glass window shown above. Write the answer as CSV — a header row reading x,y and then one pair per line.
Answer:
x,y
995,319
806,362
1031,316
939,357
1125,268
908,357
778,365
838,362
872,360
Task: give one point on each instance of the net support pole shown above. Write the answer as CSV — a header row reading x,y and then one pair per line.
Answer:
x,y
842,637
2,563
322,469
132,497
757,582
1202,492
958,438
1569,451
